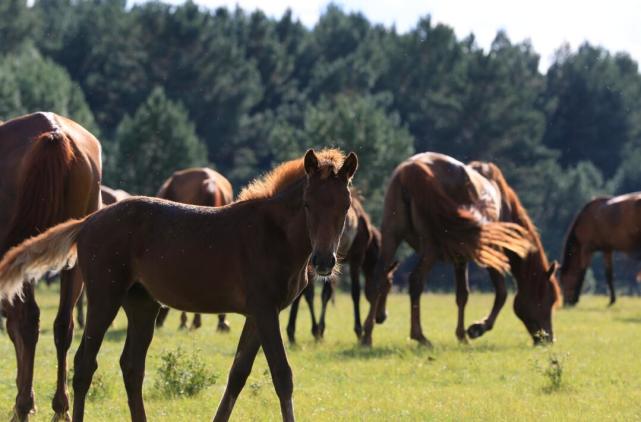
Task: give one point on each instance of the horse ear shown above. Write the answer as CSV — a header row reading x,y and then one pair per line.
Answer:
x,y
311,162
349,166
553,267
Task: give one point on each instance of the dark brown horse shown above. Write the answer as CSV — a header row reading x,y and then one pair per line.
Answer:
x,y
448,211
250,257
49,172
196,186
359,247
604,224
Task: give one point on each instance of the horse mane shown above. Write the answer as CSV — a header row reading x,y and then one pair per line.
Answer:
x,y
521,217
288,173
571,240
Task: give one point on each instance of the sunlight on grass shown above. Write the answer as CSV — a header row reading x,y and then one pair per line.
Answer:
x,y
592,372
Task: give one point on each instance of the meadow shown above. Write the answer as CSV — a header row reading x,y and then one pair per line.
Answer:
x,y
592,372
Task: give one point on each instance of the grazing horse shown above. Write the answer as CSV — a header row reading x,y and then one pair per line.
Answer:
x,y
359,246
49,172
250,257
604,224
448,211
196,186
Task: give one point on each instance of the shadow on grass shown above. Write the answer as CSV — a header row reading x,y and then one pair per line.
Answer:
x,y
631,320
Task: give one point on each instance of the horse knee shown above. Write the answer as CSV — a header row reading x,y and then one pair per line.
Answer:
x,y
284,383
462,297
416,289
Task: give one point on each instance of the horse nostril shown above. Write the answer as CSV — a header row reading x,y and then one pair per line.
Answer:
x,y
314,260
332,261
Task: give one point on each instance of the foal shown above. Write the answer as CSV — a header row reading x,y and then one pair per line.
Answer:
x,y
250,257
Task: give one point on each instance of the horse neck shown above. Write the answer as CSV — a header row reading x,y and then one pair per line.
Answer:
x,y
287,214
529,270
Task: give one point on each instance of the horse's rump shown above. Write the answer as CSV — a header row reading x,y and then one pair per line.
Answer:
x,y
456,231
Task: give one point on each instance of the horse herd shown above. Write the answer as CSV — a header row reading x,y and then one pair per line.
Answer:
x,y
284,229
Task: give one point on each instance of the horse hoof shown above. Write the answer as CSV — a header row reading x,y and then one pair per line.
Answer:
x,y
62,416
359,332
381,318
223,327
366,341
17,417
475,330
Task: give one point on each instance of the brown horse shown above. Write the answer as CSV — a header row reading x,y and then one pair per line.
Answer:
x,y
111,196
448,211
359,246
196,186
49,172
250,257
604,224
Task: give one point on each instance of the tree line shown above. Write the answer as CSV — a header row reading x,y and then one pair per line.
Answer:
x,y
166,87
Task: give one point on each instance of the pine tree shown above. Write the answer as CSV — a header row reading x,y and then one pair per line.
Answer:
x,y
158,140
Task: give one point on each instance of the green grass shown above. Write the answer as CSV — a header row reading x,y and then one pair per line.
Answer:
x,y
498,377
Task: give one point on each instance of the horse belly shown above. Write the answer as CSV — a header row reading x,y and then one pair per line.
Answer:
x,y
205,286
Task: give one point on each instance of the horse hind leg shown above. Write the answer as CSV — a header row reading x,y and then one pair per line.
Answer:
x,y
70,292
104,298
293,315
326,295
417,280
80,311
197,322
162,316
23,321
141,310
223,324
308,293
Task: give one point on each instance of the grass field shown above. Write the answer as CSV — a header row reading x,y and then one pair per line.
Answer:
x,y
498,377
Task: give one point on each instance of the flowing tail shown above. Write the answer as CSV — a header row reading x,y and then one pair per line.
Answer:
x,y
54,250
459,232
41,203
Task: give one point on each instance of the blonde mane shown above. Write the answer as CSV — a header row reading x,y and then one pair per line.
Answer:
x,y
289,172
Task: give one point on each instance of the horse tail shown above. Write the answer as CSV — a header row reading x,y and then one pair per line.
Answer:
x,y
459,232
41,197
52,250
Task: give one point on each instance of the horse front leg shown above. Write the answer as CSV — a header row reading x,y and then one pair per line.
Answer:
x,y
70,291
248,346
23,324
270,338
462,294
500,296
417,281
609,278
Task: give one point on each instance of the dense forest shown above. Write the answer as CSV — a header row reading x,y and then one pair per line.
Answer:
x,y
166,87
